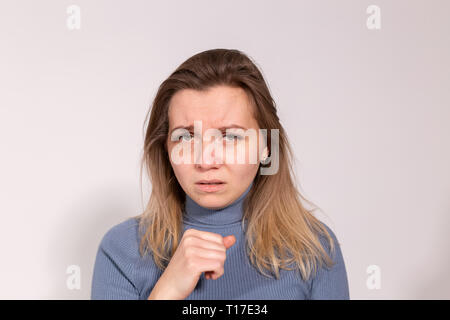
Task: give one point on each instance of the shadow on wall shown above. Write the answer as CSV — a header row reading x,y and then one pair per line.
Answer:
x,y
78,234
437,284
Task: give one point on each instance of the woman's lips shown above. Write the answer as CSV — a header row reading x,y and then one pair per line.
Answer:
x,y
213,187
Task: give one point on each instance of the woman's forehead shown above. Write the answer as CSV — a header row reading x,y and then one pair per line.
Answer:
x,y
214,108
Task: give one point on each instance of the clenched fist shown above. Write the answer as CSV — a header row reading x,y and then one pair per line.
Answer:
x,y
198,251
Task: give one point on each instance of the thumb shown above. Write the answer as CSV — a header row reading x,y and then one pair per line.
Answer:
x,y
228,241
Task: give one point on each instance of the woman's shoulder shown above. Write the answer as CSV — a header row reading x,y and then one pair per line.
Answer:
x,y
333,236
334,251
331,282
122,238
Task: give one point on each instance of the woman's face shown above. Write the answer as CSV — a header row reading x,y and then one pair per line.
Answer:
x,y
219,107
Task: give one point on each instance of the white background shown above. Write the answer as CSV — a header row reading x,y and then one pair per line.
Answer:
x,y
366,111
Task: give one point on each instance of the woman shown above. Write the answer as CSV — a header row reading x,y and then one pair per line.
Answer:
x,y
216,229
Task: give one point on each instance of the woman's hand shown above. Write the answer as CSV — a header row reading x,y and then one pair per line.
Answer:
x,y
198,251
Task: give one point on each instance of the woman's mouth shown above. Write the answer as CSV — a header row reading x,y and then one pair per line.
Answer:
x,y
210,186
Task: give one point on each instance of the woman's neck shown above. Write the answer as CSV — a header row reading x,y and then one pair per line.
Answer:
x,y
229,214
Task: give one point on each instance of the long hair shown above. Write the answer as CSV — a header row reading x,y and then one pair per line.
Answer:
x,y
280,229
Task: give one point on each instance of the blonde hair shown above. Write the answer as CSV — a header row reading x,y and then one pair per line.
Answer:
x,y
280,229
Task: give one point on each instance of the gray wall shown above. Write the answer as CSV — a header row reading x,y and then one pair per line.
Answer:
x,y
366,110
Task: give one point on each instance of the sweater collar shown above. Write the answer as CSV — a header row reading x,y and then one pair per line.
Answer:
x,y
229,214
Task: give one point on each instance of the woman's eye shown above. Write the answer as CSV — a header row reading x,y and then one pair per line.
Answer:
x,y
228,137
186,137
233,137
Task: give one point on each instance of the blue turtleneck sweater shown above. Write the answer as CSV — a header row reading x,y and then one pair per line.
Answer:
x,y
121,273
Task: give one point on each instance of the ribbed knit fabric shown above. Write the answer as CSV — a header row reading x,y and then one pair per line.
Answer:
x,y
121,273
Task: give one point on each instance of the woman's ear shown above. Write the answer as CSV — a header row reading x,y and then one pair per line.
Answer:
x,y
264,155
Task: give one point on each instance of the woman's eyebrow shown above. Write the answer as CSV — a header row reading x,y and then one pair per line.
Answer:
x,y
191,127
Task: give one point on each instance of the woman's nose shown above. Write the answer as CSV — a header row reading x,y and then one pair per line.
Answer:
x,y
209,154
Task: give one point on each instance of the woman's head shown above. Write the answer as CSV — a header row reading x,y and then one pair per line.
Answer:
x,y
224,88
229,111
